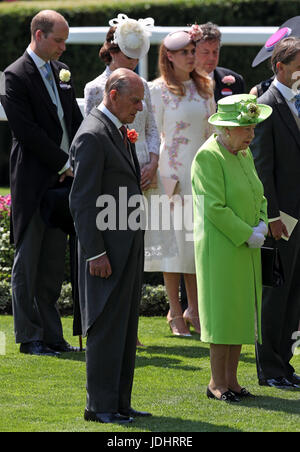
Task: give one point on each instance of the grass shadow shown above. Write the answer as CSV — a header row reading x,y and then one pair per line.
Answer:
x,y
157,361
73,356
167,423
276,404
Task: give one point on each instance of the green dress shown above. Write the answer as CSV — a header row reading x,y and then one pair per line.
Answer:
x,y
230,204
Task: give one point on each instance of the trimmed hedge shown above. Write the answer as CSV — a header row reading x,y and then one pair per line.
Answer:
x,y
83,59
154,301
84,62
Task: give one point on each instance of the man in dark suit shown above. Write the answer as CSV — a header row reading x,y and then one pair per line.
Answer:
x,y
111,251
276,150
226,82
43,115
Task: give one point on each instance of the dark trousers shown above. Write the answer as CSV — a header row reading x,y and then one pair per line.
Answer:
x,y
111,341
37,276
280,315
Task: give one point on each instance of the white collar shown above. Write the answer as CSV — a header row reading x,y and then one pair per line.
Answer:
x,y
39,62
287,92
109,114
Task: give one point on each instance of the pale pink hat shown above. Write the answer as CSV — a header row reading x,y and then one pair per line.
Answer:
x,y
177,40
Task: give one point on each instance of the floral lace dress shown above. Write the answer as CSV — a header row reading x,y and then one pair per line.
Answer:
x,y
183,126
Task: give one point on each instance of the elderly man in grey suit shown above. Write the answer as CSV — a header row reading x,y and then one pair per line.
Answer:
x,y
276,150
110,255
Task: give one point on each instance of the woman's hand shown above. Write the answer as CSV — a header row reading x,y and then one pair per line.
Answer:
x,y
262,228
148,172
256,240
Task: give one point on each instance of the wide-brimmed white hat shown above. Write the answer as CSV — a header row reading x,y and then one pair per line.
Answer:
x,y
132,36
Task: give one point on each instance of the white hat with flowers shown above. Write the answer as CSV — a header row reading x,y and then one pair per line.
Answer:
x,y
132,36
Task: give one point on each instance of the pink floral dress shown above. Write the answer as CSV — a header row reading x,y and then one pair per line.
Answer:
x,y
183,125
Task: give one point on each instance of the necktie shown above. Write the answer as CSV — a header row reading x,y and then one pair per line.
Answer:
x,y
123,130
297,103
48,75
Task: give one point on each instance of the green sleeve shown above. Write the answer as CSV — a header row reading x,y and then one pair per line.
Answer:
x,y
264,204
208,180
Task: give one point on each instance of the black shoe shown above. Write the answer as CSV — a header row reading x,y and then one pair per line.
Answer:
x,y
227,396
279,383
134,413
63,347
107,418
243,393
295,379
37,348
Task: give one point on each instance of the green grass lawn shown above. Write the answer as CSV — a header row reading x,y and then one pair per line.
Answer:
x,y
48,394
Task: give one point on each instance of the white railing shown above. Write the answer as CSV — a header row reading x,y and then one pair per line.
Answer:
x,y
232,36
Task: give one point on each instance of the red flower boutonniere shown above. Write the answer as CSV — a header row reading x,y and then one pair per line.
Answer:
x,y
132,135
228,80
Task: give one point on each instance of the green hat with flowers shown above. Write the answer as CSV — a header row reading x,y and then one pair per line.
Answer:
x,y
239,110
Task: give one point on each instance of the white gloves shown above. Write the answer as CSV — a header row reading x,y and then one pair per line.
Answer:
x,y
262,228
256,240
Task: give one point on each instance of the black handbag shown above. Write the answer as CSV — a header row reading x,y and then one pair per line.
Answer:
x,y
271,265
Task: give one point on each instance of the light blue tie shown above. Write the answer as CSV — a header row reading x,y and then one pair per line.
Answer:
x,y
49,75
297,104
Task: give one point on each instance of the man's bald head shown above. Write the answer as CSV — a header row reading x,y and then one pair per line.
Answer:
x,y
123,95
122,79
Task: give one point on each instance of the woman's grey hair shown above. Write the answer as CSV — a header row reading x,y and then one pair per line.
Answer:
x,y
220,130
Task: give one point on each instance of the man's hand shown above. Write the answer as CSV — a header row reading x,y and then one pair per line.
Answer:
x,y
278,229
68,172
100,267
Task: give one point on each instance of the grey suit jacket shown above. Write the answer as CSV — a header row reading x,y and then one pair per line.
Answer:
x,y
276,151
101,166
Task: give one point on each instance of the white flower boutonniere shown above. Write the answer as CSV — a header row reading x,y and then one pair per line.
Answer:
x,y
64,75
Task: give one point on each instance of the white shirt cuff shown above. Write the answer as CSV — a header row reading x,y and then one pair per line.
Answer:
x,y
95,257
270,220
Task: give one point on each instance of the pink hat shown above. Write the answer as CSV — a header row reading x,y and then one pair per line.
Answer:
x,y
177,40
290,28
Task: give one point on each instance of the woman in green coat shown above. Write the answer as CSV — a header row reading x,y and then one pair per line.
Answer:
x,y
230,225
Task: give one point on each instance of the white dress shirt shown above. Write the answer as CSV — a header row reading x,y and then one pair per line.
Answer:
x,y
288,94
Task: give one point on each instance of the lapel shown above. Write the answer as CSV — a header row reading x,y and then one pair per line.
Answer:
x,y
118,141
285,113
217,78
39,88
217,82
